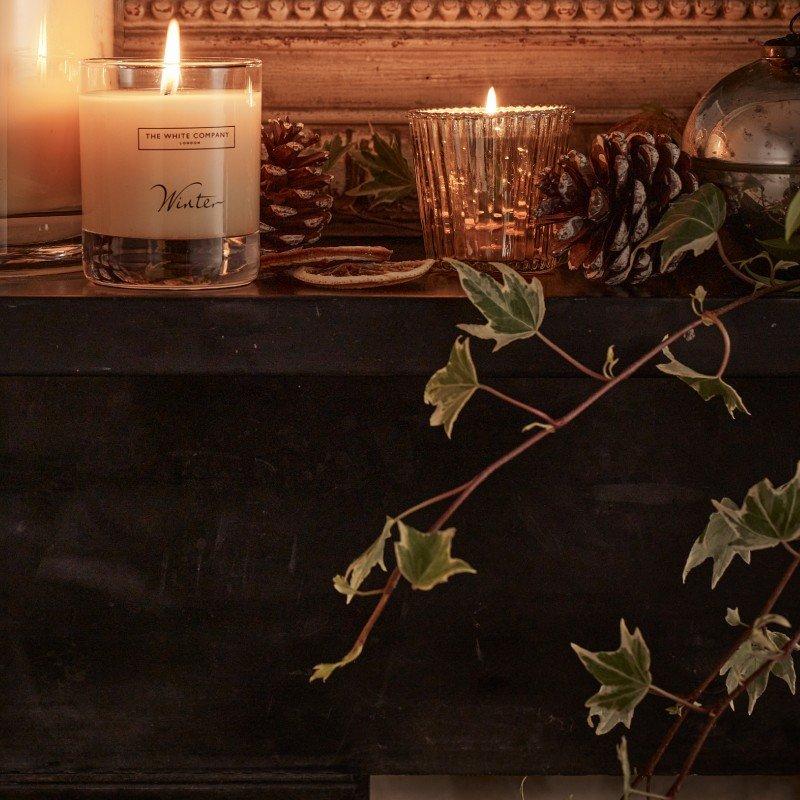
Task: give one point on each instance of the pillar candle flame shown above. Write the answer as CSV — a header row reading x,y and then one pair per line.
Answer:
x,y
491,101
171,73
41,49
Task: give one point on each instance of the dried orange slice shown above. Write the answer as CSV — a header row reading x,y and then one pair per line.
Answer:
x,y
361,275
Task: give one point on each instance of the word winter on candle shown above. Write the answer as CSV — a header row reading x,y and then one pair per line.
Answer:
x,y
191,196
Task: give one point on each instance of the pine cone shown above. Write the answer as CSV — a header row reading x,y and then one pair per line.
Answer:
x,y
605,203
295,193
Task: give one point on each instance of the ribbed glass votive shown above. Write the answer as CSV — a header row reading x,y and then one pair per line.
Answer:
x,y
476,181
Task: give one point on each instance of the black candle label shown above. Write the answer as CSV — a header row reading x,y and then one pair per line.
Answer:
x,y
217,138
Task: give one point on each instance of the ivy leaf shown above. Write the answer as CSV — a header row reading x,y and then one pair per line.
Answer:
x,y
733,618
782,247
716,543
336,147
358,571
513,309
690,223
545,426
750,656
767,517
391,177
424,558
698,300
707,386
451,387
624,676
610,362
323,671
792,218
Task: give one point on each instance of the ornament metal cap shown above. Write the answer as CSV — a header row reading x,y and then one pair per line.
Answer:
x,y
785,48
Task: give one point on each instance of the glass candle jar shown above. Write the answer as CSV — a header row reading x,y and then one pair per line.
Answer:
x,y
476,172
170,170
40,191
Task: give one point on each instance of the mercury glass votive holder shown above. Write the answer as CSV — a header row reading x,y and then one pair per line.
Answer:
x,y
476,181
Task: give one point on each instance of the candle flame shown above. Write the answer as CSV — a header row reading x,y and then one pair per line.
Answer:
x,y
41,49
491,101
171,73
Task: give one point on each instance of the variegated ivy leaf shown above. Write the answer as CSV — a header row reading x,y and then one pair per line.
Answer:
x,y
514,309
750,656
610,362
768,516
733,618
424,558
358,571
707,386
624,676
792,218
698,300
716,543
690,224
323,671
451,387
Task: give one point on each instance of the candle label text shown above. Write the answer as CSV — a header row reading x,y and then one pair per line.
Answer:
x,y
222,137
190,196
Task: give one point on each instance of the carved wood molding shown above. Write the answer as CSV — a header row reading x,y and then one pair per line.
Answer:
x,y
216,14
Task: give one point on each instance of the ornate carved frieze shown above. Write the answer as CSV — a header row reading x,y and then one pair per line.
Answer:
x,y
461,12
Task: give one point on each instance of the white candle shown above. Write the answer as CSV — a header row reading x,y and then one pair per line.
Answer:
x,y
172,161
39,83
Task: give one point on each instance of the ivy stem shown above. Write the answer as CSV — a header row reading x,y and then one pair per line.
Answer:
x,y
726,342
789,549
681,701
673,729
518,403
598,376
461,493
431,501
719,709
731,267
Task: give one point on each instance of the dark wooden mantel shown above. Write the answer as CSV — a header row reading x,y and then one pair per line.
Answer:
x,y
182,475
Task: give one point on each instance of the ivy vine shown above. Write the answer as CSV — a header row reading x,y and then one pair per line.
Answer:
x,y
513,309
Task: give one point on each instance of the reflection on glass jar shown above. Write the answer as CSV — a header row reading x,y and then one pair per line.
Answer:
x,y
42,41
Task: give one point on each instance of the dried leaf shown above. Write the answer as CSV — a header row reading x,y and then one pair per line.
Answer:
x,y
690,223
716,543
359,570
450,388
424,558
513,310
624,676
707,386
